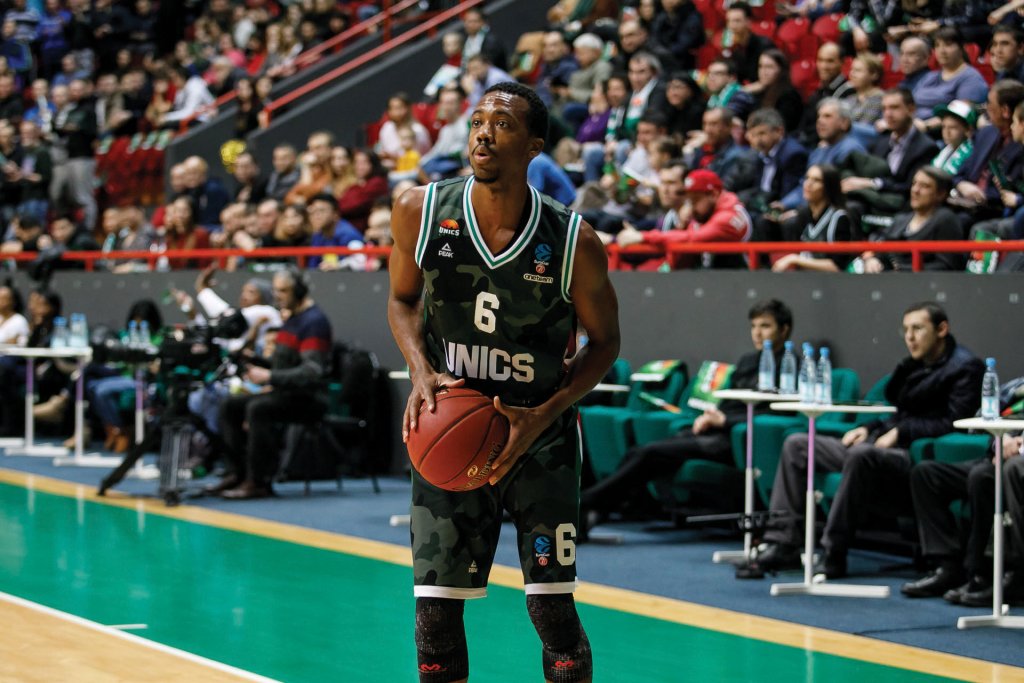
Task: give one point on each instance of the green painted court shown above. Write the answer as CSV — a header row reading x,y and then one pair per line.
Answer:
x,y
294,612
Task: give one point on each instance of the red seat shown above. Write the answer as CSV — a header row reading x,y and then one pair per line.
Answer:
x,y
826,28
804,76
766,12
713,14
763,28
706,54
795,39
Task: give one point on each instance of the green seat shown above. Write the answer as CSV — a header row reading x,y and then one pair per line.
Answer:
x,y
618,374
608,430
960,447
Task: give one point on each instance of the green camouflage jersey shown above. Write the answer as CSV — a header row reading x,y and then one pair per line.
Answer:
x,y
504,321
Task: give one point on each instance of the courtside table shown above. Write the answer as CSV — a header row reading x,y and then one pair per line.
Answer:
x,y
750,397
81,355
812,411
999,619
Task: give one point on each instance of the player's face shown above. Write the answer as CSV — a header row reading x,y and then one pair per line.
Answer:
x,y
765,328
498,138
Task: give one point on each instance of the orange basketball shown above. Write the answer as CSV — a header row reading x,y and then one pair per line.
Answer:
x,y
454,447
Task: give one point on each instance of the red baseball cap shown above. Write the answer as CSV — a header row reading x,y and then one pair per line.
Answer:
x,y
702,180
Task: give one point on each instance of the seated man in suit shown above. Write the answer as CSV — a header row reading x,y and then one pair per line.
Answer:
x,y
902,152
708,438
939,382
773,173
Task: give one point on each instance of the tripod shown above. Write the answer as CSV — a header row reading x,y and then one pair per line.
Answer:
x,y
172,434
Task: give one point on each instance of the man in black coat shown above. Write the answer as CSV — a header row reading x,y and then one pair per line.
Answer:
x,y
680,30
938,383
777,168
708,438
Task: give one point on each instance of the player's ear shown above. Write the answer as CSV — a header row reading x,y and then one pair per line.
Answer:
x,y
536,146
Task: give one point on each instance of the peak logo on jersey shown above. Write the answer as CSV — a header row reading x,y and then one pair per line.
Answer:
x,y
446,251
472,568
432,668
449,226
564,664
542,549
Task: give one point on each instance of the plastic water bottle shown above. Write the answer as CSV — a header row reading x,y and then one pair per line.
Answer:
x,y
133,334
787,373
990,391
766,368
78,336
59,336
145,338
806,386
824,385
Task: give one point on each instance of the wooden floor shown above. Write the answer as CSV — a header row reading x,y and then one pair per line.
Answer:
x,y
212,596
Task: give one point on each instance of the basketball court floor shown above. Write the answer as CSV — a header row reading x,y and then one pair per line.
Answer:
x,y
104,589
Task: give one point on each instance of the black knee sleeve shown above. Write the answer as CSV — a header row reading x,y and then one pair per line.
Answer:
x,y
567,656
441,640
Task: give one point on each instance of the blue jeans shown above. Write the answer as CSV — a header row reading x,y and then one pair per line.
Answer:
x,y
105,398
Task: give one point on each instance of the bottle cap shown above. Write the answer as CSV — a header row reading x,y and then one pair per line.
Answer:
x,y
990,362
824,351
788,345
767,343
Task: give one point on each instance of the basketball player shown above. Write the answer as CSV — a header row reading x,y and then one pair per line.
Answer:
x,y
488,282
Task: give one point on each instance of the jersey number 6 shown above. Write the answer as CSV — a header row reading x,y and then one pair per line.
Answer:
x,y
483,317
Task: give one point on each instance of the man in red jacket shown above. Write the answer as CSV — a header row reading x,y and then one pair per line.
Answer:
x,y
709,214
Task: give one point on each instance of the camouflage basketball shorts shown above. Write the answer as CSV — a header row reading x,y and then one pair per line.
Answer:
x,y
455,535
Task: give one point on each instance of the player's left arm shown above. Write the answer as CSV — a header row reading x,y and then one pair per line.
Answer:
x,y
597,310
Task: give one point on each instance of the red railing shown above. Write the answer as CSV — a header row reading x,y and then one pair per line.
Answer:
x,y
615,253
753,249
312,55
426,27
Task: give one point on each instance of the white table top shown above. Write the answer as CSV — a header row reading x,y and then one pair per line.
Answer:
x,y
996,426
32,352
822,408
754,396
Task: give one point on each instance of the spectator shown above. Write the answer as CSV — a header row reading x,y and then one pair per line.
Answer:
x,y
707,438
282,49
10,164
34,172
928,220
774,171
593,71
1013,486
557,67
13,325
958,122
829,65
42,110
725,91
741,44
822,219
16,52
52,42
182,232
647,11
75,128
343,175
207,192
126,230
371,183
330,230
291,230
866,98
399,115
250,188
28,236
445,158
547,177
43,306
836,144
297,369
65,235
451,46
914,54
773,89
480,40
11,104
683,105
710,215
680,29
939,382
713,147
407,165
1005,54
633,39
315,169
160,104
285,174
566,12
248,108
192,99
481,75
264,221
955,79
867,23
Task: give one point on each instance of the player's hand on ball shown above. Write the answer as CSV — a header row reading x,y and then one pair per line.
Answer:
x,y
525,425
424,386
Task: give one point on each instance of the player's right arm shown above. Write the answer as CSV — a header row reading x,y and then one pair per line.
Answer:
x,y
405,308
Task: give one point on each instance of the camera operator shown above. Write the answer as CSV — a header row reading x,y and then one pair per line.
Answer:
x,y
296,372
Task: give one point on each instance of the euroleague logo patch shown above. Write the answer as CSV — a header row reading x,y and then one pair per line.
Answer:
x,y
541,261
542,549
449,227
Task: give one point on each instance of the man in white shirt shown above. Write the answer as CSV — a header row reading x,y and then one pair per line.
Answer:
x,y
191,97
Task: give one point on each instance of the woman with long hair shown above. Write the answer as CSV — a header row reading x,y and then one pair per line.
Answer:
x,y
371,183
774,90
343,173
184,233
822,219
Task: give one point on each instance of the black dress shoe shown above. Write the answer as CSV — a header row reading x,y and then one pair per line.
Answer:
x,y
832,565
935,584
955,595
223,485
779,557
1013,594
248,491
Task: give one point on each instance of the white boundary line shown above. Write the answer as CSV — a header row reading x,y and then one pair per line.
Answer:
x,y
160,647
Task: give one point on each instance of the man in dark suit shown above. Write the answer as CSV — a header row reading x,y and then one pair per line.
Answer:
x,y
745,46
634,38
976,186
904,150
479,39
776,169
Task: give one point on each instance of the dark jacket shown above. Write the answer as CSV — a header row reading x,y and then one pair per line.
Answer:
x,y
920,150
928,398
681,34
790,165
988,146
942,225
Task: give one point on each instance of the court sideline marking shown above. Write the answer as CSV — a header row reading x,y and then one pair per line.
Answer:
x,y
765,629
135,640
